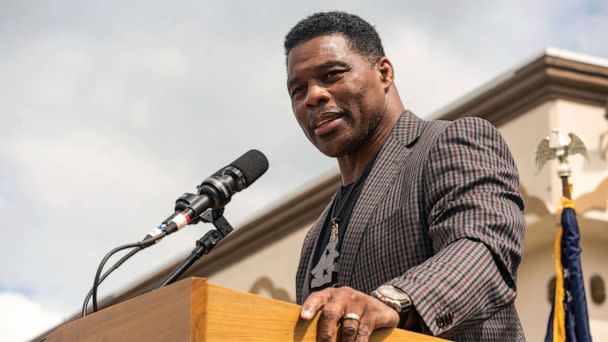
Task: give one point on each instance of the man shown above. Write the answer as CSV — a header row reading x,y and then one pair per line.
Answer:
x,y
426,231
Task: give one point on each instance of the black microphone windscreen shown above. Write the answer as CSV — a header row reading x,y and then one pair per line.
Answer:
x,y
252,164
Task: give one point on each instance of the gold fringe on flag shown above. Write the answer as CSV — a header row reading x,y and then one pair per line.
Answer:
x,y
559,314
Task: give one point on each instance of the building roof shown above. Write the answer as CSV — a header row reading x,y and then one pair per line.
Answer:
x,y
549,74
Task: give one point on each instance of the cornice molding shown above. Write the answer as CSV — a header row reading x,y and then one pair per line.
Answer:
x,y
593,200
548,77
534,205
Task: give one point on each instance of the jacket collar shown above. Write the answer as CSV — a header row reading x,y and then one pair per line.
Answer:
x,y
408,129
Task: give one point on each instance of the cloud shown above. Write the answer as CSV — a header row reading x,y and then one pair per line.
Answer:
x,y
415,50
80,164
73,199
111,110
24,318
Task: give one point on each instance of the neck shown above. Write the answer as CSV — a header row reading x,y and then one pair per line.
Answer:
x,y
353,164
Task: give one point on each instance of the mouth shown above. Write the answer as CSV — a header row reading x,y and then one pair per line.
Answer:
x,y
325,123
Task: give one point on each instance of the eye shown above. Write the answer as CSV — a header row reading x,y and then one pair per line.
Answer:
x,y
297,90
334,75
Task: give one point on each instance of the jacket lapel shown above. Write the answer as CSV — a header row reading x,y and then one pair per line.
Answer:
x,y
385,169
309,246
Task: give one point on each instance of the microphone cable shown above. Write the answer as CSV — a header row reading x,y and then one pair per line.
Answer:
x,y
138,246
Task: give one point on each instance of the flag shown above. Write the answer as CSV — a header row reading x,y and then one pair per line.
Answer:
x,y
569,320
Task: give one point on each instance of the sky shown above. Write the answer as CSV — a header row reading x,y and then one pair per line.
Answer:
x,y
111,110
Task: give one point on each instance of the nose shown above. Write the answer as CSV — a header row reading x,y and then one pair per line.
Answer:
x,y
316,96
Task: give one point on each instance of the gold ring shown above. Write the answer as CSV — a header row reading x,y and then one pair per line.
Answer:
x,y
353,316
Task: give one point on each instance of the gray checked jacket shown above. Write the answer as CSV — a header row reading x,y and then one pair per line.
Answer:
x,y
440,216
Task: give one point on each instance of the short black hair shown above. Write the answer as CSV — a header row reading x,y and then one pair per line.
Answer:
x,y
362,36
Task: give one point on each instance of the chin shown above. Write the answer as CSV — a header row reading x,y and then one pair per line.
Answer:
x,y
338,144
328,149
331,153
336,148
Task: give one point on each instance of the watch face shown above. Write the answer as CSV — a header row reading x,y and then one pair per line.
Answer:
x,y
393,293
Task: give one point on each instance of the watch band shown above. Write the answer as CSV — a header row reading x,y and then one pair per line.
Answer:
x,y
403,319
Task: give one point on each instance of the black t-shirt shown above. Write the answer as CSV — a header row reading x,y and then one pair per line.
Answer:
x,y
326,257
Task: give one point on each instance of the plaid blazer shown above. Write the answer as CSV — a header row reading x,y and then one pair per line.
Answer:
x,y
440,216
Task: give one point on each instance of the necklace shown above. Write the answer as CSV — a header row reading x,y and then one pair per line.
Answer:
x,y
335,220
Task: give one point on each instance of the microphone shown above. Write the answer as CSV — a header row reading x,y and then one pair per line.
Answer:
x,y
215,191
233,178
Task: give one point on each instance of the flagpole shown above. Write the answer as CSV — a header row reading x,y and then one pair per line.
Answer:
x,y
566,187
569,319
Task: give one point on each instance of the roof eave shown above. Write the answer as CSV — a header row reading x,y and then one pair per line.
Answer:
x,y
555,73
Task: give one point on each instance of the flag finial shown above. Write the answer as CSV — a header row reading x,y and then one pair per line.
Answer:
x,y
560,148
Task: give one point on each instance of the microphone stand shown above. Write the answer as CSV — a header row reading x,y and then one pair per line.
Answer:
x,y
204,245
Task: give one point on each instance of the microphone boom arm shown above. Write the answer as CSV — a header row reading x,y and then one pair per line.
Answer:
x,y
204,245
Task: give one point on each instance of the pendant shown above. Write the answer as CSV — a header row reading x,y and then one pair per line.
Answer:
x,y
335,227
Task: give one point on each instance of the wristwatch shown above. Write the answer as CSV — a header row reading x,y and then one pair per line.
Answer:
x,y
396,298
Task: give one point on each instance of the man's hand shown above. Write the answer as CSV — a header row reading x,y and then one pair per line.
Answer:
x,y
335,303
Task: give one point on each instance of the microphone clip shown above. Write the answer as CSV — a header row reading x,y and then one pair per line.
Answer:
x,y
216,217
213,216
222,228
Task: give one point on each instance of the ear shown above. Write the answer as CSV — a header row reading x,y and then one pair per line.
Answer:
x,y
386,71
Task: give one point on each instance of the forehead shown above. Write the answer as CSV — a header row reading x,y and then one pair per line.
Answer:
x,y
317,51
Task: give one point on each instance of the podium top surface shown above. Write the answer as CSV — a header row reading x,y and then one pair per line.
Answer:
x,y
192,310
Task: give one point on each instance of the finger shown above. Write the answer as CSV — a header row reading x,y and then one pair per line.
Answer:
x,y
328,321
349,330
366,327
314,302
350,327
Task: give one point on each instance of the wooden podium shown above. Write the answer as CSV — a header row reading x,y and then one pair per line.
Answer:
x,y
192,310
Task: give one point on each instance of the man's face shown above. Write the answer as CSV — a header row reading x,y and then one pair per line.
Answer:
x,y
337,97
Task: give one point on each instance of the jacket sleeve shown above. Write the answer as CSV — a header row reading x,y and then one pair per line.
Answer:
x,y
476,225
